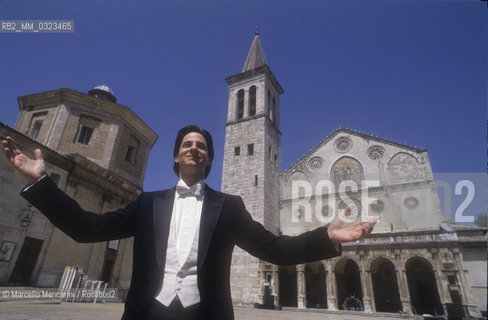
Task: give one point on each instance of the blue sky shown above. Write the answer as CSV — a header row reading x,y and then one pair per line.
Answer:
x,y
410,71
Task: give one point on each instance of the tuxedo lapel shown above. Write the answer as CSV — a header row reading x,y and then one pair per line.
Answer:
x,y
212,206
162,210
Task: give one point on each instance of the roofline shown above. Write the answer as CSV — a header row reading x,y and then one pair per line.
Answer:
x,y
357,133
3,124
71,95
75,158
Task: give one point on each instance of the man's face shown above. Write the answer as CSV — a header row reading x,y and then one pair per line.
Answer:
x,y
193,156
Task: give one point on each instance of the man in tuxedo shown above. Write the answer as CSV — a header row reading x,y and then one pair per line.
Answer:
x,y
183,236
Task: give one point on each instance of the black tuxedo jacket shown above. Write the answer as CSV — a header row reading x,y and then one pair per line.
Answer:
x,y
224,224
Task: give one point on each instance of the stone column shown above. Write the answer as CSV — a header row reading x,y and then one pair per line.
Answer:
x,y
275,281
301,297
331,287
469,305
366,284
436,268
401,275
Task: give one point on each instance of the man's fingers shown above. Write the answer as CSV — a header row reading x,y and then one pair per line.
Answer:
x,y
368,229
38,154
6,151
11,144
9,147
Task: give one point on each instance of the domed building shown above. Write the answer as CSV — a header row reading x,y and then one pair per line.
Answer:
x,y
96,150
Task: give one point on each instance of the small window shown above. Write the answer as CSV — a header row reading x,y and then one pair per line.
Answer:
x,y
240,104
132,149
36,124
130,155
237,151
86,129
252,100
250,149
36,127
256,180
452,280
85,135
269,153
275,159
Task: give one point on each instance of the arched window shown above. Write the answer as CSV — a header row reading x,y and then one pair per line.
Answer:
x,y
252,100
240,104
404,167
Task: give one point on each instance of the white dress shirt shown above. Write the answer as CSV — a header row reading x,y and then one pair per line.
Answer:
x,y
180,272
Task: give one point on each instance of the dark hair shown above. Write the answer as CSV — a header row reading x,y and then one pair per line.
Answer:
x,y
179,139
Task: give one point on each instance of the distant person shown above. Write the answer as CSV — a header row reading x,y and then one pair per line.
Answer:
x,y
183,236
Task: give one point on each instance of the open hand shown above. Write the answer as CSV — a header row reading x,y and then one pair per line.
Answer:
x,y
345,229
30,169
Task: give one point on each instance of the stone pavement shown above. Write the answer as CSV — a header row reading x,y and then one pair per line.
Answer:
x,y
23,310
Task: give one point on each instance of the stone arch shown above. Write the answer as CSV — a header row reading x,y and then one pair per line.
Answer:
x,y
404,167
338,262
385,285
422,286
381,256
347,169
288,286
348,280
315,285
419,256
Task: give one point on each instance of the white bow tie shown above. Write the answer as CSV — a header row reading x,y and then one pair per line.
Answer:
x,y
195,190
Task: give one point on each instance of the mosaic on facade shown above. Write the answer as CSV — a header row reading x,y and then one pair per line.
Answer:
x,y
347,169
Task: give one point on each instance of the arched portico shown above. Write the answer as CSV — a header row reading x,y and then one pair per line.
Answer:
x,y
424,293
349,290
316,292
385,286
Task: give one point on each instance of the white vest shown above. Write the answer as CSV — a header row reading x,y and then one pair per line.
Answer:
x,y
180,272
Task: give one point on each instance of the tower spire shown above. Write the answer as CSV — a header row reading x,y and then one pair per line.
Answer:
x,y
255,57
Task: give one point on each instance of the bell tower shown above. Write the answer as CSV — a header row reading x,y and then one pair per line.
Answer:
x,y
252,161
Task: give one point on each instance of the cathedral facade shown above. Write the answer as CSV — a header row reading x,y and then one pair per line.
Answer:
x,y
414,262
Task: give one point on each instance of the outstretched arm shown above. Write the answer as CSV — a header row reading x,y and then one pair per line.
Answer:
x,y
317,244
30,169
